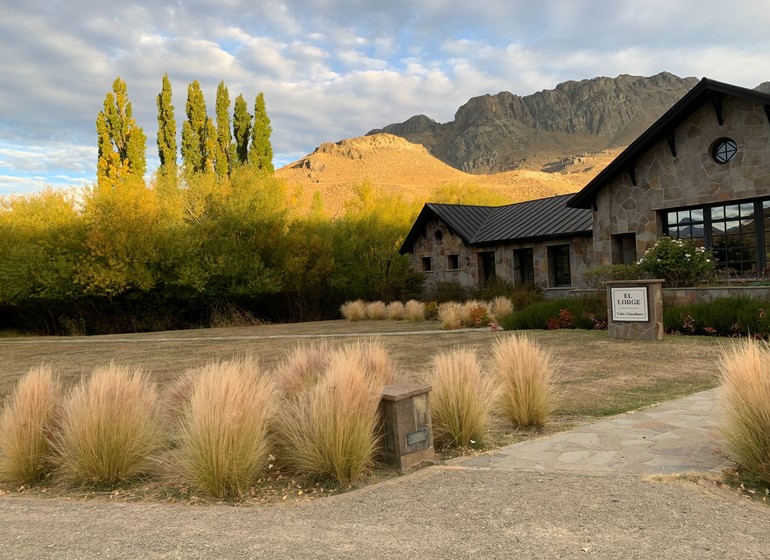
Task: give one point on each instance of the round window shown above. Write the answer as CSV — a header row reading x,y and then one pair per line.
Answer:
x,y
438,235
724,150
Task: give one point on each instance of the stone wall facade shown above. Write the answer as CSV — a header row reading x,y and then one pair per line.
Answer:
x,y
443,248
690,179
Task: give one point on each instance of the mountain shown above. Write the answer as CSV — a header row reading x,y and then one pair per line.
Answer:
x,y
393,164
547,130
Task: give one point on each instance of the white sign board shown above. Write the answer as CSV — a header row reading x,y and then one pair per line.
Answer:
x,y
630,304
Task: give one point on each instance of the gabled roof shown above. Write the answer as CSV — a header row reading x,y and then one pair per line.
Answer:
x,y
487,225
705,91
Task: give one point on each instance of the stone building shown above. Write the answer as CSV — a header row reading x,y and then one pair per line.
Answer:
x,y
701,172
540,241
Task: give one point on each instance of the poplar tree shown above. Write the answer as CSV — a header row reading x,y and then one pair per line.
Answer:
x,y
194,154
120,142
209,146
225,149
261,152
241,129
166,130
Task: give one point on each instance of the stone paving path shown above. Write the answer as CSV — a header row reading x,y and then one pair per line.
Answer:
x,y
674,437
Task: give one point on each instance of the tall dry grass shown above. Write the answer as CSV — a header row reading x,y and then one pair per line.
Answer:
x,y
302,368
376,310
414,310
26,424
500,307
461,399
354,310
329,432
109,430
524,371
449,315
375,360
223,441
396,311
745,370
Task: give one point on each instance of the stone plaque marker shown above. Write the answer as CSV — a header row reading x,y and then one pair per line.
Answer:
x,y
407,434
635,309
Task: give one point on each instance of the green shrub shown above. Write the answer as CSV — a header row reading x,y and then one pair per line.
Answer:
x,y
492,288
461,399
524,372
597,276
745,372
109,430
446,291
26,424
679,262
526,295
223,444
585,312
730,316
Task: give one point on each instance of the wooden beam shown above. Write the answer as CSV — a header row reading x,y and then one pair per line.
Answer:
x,y
671,141
716,103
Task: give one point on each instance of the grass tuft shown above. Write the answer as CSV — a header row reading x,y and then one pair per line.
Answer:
x,y
329,432
26,425
109,429
302,368
460,400
414,310
745,369
354,310
524,372
449,315
396,311
501,306
376,310
223,442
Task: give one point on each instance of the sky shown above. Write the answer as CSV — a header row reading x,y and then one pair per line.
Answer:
x,y
332,69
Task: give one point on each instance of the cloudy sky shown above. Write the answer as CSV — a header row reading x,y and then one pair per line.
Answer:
x,y
332,69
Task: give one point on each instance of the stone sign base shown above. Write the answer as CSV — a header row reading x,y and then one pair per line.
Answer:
x,y
407,432
631,318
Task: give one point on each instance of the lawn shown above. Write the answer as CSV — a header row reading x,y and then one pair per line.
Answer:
x,y
597,376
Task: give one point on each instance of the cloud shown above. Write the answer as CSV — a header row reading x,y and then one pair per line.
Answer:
x,y
331,69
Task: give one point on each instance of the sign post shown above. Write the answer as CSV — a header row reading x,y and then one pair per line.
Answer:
x,y
635,309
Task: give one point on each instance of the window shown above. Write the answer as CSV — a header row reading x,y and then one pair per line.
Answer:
x,y
624,248
438,235
558,266
427,264
523,266
486,266
738,233
724,150
453,262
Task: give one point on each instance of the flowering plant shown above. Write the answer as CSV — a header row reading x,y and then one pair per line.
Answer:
x,y
679,262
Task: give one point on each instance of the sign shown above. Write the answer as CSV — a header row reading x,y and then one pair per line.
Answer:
x,y
630,304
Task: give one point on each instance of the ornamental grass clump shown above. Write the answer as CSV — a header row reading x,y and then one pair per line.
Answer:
x,y
26,424
414,310
460,400
302,368
376,310
524,373
396,311
500,307
745,369
354,310
330,430
449,315
109,429
223,432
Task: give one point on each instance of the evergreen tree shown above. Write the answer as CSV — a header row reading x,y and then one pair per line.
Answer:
x,y
120,142
209,146
194,131
261,152
166,130
225,149
241,129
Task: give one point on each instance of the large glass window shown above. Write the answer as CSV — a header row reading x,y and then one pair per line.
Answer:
x,y
738,233
524,266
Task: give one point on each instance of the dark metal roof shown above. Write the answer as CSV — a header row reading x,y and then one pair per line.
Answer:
x,y
534,220
705,91
522,222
